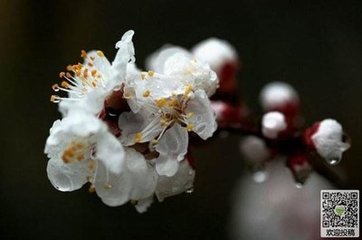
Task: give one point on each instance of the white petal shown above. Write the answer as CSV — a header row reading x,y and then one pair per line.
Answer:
x,y
182,181
110,151
202,116
101,63
157,60
144,177
143,204
113,189
172,148
166,165
66,177
125,54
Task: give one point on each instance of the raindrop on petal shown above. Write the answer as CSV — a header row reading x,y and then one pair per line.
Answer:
x,y
334,160
260,176
189,190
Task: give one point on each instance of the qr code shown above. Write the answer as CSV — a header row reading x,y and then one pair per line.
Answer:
x,y
339,213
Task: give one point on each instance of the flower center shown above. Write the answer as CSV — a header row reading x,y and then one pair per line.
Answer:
x,y
75,152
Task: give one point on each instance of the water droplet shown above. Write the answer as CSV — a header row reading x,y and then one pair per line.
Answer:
x,y
260,176
298,185
334,160
189,190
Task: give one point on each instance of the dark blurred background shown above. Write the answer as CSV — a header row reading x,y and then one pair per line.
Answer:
x,y
314,45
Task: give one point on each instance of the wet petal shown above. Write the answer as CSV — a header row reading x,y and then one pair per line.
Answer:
x,y
66,177
202,117
125,55
113,189
172,148
110,151
144,177
143,204
182,181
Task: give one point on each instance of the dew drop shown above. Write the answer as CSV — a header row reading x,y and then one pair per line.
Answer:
x,y
189,190
298,185
260,176
334,160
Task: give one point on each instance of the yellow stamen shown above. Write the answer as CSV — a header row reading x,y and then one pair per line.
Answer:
x,y
188,89
151,73
83,54
147,93
138,137
100,53
93,72
65,84
190,127
162,102
54,98
61,74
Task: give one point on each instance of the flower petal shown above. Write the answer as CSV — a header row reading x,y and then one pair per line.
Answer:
x,y
143,204
125,55
182,181
202,117
113,189
66,177
144,177
110,151
172,148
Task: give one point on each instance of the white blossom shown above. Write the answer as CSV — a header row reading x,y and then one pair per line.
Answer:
x,y
95,79
74,144
164,119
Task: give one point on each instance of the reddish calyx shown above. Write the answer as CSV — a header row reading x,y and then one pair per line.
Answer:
x,y
114,105
227,77
308,134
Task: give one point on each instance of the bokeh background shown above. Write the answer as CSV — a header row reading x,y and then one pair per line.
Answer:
x,y
314,45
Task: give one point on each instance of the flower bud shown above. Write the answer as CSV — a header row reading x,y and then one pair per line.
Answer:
x,y
222,58
273,123
328,139
281,97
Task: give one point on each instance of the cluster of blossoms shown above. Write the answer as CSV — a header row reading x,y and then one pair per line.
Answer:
x,y
127,132
279,131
